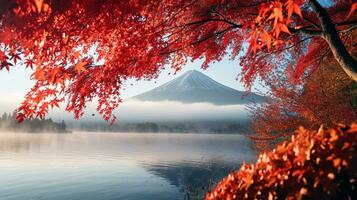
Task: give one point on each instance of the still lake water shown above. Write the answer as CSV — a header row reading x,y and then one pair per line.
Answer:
x,y
102,166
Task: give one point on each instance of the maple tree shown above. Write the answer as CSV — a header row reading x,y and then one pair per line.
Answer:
x,y
326,97
312,165
82,51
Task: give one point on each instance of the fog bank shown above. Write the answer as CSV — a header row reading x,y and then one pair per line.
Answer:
x,y
168,111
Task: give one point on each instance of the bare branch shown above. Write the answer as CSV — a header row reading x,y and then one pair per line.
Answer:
x,y
306,31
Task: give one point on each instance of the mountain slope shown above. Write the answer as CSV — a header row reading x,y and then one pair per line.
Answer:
x,y
195,87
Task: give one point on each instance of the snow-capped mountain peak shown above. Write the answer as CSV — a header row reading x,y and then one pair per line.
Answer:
x,y
192,79
195,87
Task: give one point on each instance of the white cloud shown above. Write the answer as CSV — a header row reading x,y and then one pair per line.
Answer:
x,y
144,110
172,111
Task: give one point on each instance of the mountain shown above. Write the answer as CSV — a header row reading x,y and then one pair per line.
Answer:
x,y
196,87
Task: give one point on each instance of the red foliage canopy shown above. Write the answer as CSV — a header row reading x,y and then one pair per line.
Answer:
x,y
326,97
82,50
313,165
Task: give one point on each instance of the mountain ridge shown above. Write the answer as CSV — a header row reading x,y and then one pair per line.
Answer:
x,y
196,87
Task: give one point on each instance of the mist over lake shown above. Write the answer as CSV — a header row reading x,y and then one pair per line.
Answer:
x,y
165,145
102,166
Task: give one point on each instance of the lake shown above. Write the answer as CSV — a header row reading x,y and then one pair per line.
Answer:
x,y
113,166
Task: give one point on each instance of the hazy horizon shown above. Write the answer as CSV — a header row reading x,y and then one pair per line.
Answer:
x,y
16,83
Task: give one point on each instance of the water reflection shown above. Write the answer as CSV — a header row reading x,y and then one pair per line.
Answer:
x,y
116,166
193,179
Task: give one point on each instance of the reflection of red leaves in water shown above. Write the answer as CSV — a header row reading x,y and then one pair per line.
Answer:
x,y
313,165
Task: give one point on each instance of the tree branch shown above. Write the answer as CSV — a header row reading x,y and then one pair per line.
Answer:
x,y
216,34
332,37
306,32
346,23
210,20
312,22
351,28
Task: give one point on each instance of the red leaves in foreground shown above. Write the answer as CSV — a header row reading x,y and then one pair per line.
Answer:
x,y
313,165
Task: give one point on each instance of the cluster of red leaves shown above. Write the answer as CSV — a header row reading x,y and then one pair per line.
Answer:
x,y
273,19
79,51
326,97
274,38
313,165
82,51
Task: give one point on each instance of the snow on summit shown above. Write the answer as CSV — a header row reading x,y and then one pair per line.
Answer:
x,y
196,87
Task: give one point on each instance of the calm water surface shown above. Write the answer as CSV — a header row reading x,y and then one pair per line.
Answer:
x,y
101,166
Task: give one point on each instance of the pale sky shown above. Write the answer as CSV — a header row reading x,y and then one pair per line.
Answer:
x,y
15,84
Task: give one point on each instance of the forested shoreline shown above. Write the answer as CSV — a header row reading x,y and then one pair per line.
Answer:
x,y
8,123
211,127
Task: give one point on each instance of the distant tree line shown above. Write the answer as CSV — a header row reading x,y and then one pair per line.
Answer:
x,y
8,122
170,127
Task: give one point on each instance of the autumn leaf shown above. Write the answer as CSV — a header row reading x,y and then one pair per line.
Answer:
x,y
54,103
39,74
297,10
284,28
3,56
267,39
6,65
20,117
80,67
76,55
353,9
29,63
40,6
337,162
15,57
277,15
281,27
292,7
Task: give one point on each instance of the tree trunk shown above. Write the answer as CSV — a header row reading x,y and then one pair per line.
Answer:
x,y
331,36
